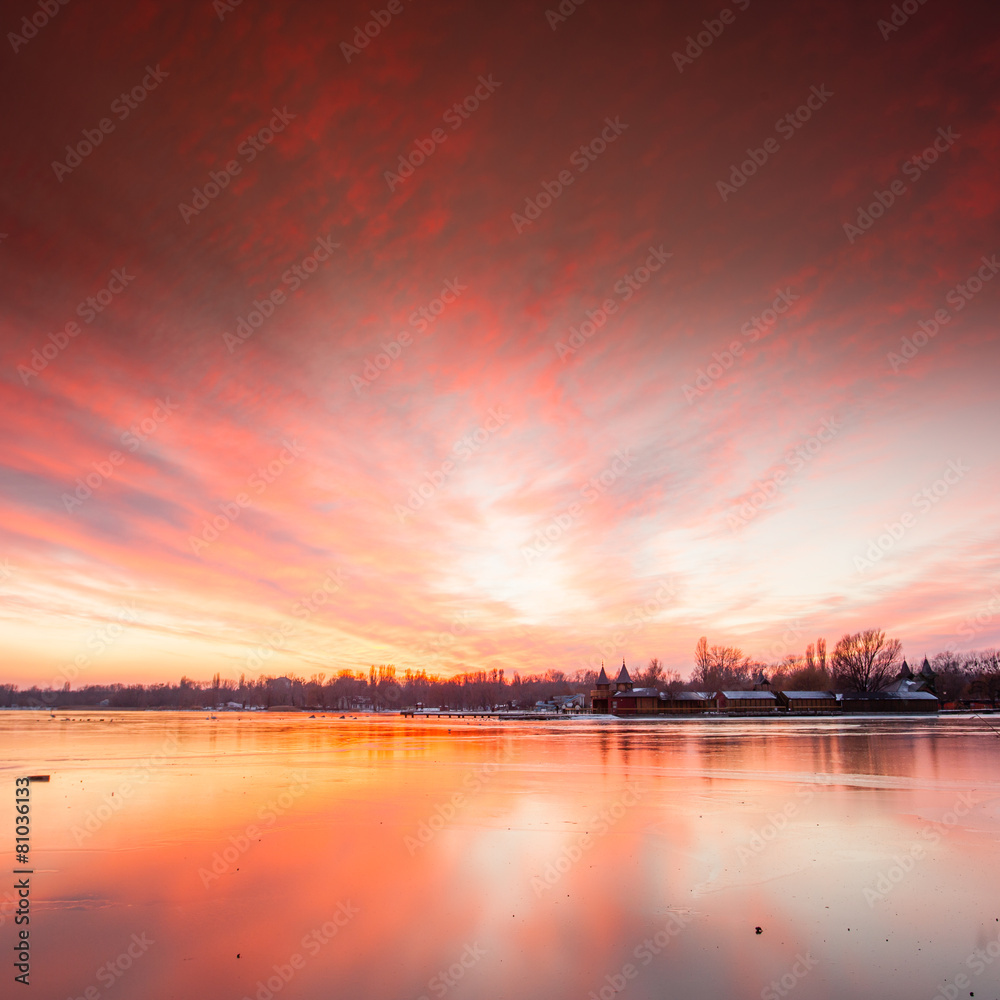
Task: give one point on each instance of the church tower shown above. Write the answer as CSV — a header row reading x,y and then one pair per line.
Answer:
x,y
600,697
624,682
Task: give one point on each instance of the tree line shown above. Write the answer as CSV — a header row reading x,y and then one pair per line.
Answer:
x,y
866,661
378,689
860,661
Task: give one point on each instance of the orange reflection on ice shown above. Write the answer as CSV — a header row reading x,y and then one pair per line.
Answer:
x,y
258,855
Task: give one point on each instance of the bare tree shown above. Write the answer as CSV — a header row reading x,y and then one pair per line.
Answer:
x,y
671,682
950,676
866,661
810,660
652,675
985,668
702,661
803,678
720,667
778,674
821,654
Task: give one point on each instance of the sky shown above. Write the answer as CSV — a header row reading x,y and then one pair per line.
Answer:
x,y
463,337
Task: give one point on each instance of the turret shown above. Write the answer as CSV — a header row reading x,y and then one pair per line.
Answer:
x,y
624,682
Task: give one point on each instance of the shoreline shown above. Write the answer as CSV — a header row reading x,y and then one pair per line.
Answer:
x,y
335,715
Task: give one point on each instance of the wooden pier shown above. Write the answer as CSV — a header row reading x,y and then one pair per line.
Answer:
x,y
417,713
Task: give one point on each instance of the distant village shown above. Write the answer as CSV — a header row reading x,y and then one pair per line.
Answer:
x,y
905,694
865,673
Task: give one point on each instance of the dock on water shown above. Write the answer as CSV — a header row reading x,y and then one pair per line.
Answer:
x,y
471,714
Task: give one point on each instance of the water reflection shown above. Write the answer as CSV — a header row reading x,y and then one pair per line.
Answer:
x,y
258,856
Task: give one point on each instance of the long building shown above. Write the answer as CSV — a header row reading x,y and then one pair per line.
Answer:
x,y
748,702
808,701
623,699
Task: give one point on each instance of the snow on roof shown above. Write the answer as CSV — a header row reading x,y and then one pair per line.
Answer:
x,y
792,695
887,696
758,695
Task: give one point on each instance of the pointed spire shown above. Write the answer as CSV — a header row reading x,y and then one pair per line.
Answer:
x,y
602,677
623,677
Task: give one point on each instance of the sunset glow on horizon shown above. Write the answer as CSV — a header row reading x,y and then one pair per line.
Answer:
x,y
496,342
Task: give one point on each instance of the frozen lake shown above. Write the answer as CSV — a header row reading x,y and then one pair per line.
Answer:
x,y
274,855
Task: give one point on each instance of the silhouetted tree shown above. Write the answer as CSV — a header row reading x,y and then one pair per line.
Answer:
x,y
721,667
651,676
985,670
866,661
